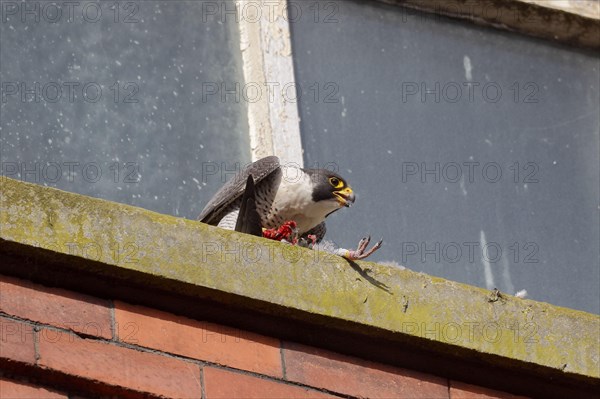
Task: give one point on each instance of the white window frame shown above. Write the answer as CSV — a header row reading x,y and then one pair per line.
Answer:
x,y
274,124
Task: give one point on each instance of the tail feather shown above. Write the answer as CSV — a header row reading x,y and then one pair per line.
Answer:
x,y
248,219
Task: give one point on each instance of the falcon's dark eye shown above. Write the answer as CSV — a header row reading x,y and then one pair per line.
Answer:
x,y
335,182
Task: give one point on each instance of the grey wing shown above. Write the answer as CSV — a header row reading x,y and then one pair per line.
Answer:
x,y
234,188
319,231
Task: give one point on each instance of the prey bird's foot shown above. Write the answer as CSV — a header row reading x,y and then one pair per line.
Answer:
x,y
287,232
361,252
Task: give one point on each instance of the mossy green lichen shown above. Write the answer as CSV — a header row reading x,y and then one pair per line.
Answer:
x,y
413,305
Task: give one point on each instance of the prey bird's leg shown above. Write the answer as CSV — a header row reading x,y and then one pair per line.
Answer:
x,y
360,250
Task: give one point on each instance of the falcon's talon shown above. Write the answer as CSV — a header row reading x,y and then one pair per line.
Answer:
x,y
378,244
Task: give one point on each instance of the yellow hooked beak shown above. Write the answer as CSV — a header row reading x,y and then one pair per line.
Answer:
x,y
345,197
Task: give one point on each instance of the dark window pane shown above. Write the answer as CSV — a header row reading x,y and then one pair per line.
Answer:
x,y
117,88
474,152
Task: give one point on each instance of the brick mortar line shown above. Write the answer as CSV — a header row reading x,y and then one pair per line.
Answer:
x,y
113,324
282,354
36,346
202,386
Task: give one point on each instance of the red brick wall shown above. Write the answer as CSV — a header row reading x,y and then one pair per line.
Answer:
x,y
60,344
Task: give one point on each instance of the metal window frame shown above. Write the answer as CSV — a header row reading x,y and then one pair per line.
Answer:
x,y
571,22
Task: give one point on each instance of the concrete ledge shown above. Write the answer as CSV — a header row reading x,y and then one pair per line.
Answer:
x,y
570,22
116,250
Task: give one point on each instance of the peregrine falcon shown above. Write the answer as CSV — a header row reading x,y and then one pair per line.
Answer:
x,y
266,198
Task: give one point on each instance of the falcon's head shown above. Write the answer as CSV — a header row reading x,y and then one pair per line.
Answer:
x,y
331,187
